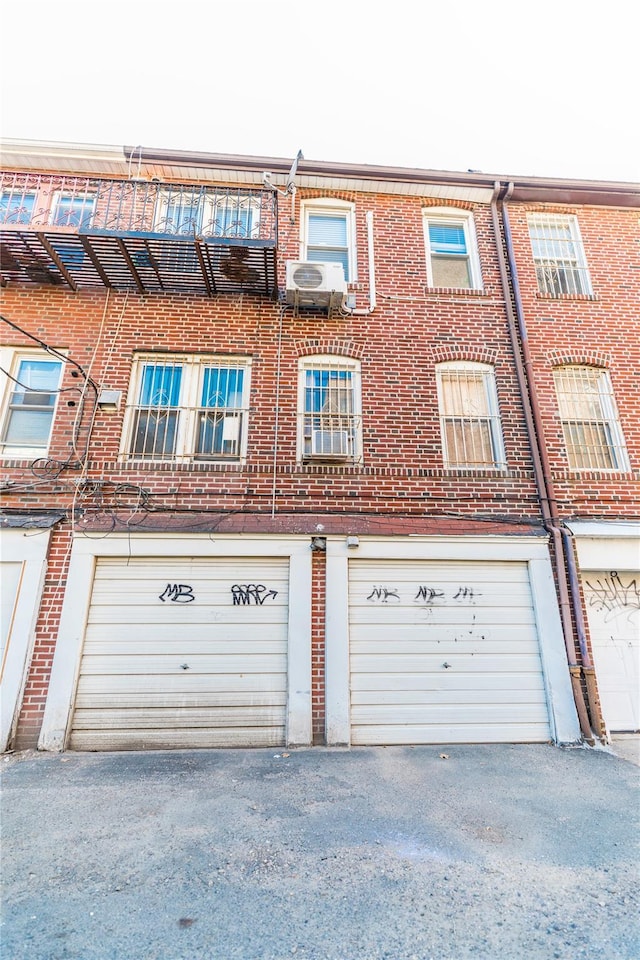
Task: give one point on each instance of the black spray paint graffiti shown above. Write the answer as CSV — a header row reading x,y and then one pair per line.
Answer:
x,y
427,595
465,593
245,594
612,596
177,593
384,594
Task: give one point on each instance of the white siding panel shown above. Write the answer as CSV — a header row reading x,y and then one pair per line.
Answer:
x,y
187,652
444,652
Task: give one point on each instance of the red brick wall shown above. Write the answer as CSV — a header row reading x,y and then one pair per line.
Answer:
x,y
604,331
318,612
401,487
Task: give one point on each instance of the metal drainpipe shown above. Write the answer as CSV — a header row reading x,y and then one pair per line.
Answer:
x,y
567,554
534,434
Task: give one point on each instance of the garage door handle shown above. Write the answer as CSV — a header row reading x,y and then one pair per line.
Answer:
x,y
446,665
184,666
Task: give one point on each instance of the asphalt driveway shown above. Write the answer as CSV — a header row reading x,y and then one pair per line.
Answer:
x,y
484,852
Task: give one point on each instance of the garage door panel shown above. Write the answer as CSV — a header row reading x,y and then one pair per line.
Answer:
x,y
444,653
443,713
401,616
433,663
144,666
430,696
462,645
465,682
226,685
446,733
452,571
175,739
217,643
179,718
123,701
179,615
184,652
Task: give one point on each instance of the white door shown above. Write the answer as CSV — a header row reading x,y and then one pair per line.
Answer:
x,y
613,610
444,652
184,653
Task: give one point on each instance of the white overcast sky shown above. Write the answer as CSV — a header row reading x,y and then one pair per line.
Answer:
x,y
520,87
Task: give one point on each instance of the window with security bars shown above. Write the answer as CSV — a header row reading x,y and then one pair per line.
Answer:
x,y
31,391
328,235
17,206
452,255
73,210
558,254
469,416
592,434
199,212
329,410
186,408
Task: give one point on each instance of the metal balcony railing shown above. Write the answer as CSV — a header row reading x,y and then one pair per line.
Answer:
x,y
140,234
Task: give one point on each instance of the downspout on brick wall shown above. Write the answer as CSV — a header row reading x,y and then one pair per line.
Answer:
x,y
544,486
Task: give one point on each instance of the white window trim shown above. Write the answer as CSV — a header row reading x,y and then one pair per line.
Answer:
x,y
495,419
10,358
340,207
454,217
609,411
334,362
581,264
189,401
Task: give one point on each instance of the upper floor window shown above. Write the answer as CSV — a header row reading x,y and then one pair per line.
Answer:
x,y
73,209
469,416
32,383
328,234
329,410
590,425
191,213
452,254
187,408
17,206
558,255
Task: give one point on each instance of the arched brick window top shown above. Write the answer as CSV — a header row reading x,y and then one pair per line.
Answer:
x,y
593,359
333,347
442,354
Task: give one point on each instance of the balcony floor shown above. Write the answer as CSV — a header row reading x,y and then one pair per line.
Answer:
x,y
147,263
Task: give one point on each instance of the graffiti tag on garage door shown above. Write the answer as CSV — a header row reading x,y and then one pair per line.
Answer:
x,y
178,593
244,594
425,594
611,595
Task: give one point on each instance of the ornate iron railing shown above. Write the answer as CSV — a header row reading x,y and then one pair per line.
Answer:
x,y
91,205
137,234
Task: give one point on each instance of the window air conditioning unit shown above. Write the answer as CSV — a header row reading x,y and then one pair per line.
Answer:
x,y
330,444
315,284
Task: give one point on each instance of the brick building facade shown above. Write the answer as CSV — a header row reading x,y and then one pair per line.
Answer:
x,y
284,460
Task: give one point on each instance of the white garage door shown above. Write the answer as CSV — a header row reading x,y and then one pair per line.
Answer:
x,y
184,653
444,652
613,611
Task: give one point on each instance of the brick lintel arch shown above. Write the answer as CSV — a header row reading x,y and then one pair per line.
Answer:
x,y
471,354
557,358
329,346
